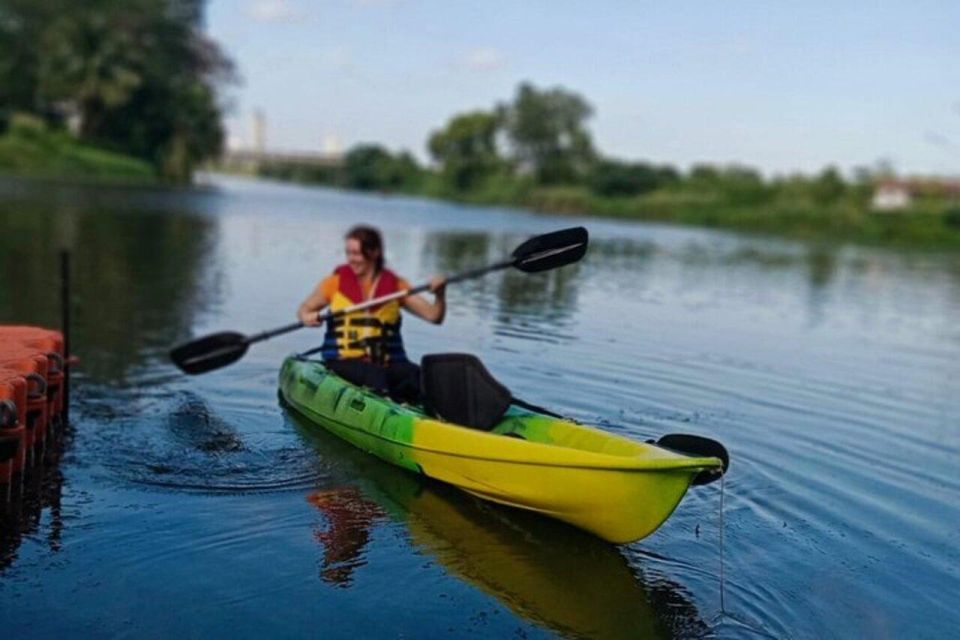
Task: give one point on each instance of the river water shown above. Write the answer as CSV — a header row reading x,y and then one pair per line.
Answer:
x,y
197,507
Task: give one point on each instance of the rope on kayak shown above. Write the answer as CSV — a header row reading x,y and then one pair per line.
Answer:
x,y
730,617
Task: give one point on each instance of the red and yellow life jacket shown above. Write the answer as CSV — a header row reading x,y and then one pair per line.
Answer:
x,y
373,334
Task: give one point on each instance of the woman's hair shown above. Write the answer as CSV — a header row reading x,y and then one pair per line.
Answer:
x,y
371,243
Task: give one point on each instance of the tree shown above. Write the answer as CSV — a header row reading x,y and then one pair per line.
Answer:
x,y
466,148
615,178
704,174
547,134
139,74
21,25
92,60
370,167
828,187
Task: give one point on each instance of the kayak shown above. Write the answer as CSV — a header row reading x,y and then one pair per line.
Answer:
x,y
524,561
617,488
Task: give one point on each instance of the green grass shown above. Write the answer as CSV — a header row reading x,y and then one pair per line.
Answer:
x,y
792,209
849,218
56,155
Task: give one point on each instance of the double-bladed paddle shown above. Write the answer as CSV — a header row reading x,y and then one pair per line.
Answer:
x,y
539,253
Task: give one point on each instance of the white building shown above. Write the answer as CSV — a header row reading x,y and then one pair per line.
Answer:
x,y
891,196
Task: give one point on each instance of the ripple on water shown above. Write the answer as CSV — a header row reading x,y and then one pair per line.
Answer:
x,y
830,373
176,441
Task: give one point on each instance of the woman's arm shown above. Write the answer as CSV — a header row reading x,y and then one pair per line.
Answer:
x,y
307,313
431,312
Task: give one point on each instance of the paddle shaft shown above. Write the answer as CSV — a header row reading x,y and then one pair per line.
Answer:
x,y
323,316
537,254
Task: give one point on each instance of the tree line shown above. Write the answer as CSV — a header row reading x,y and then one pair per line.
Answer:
x,y
539,140
137,77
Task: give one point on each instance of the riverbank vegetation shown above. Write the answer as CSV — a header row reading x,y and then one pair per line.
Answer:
x,y
535,151
30,149
108,79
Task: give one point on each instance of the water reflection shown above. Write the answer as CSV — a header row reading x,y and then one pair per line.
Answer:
x,y
452,251
529,306
140,278
548,573
350,517
818,364
31,508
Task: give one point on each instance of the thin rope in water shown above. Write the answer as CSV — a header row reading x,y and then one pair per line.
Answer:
x,y
723,610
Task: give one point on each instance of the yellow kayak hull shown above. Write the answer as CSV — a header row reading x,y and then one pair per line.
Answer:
x,y
614,487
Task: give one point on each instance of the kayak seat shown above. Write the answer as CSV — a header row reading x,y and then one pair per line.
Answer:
x,y
457,388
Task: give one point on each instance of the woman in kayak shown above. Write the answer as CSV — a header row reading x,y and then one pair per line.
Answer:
x,y
366,347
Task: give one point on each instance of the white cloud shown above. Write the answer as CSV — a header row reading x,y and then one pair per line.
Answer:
x,y
273,11
484,59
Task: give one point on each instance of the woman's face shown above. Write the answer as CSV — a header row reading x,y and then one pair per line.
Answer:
x,y
355,258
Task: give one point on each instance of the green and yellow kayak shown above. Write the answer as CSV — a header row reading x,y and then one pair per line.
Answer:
x,y
614,487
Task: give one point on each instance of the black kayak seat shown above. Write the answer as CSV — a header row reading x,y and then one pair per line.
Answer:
x,y
457,388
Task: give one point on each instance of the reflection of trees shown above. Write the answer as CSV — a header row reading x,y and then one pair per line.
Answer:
x,y
952,269
457,251
822,266
821,269
621,253
523,301
137,277
544,571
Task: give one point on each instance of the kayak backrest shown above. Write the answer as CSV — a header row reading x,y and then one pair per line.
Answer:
x,y
457,388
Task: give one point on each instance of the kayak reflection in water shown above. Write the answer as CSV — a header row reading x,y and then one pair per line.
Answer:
x,y
366,347
350,517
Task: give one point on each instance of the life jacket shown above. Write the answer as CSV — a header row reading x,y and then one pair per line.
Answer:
x,y
373,334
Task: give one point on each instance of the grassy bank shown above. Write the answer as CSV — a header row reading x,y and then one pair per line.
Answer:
x,y
822,207
773,211
29,150
846,219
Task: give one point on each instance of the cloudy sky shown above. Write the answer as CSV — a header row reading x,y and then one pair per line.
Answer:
x,y
779,87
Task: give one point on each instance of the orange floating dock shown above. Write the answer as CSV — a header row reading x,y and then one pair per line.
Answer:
x,y
32,396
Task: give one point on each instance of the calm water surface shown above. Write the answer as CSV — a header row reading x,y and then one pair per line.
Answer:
x,y
197,507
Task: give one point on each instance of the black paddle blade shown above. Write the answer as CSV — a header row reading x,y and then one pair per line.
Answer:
x,y
698,447
210,352
551,250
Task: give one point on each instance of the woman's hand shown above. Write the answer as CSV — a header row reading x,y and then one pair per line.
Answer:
x,y
309,318
431,312
310,309
438,285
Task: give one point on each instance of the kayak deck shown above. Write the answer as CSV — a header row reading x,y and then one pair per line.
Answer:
x,y
617,488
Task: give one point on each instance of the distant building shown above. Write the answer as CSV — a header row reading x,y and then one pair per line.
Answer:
x,y
896,195
259,131
891,196
332,145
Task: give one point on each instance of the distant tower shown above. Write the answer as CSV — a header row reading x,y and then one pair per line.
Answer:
x,y
259,126
332,145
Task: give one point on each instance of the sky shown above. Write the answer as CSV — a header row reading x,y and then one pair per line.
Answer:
x,y
782,87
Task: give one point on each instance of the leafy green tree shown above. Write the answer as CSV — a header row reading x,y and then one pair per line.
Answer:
x,y
828,186
139,74
615,178
371,167
704,174
547,133
466,148
92,60
21,25
408,170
